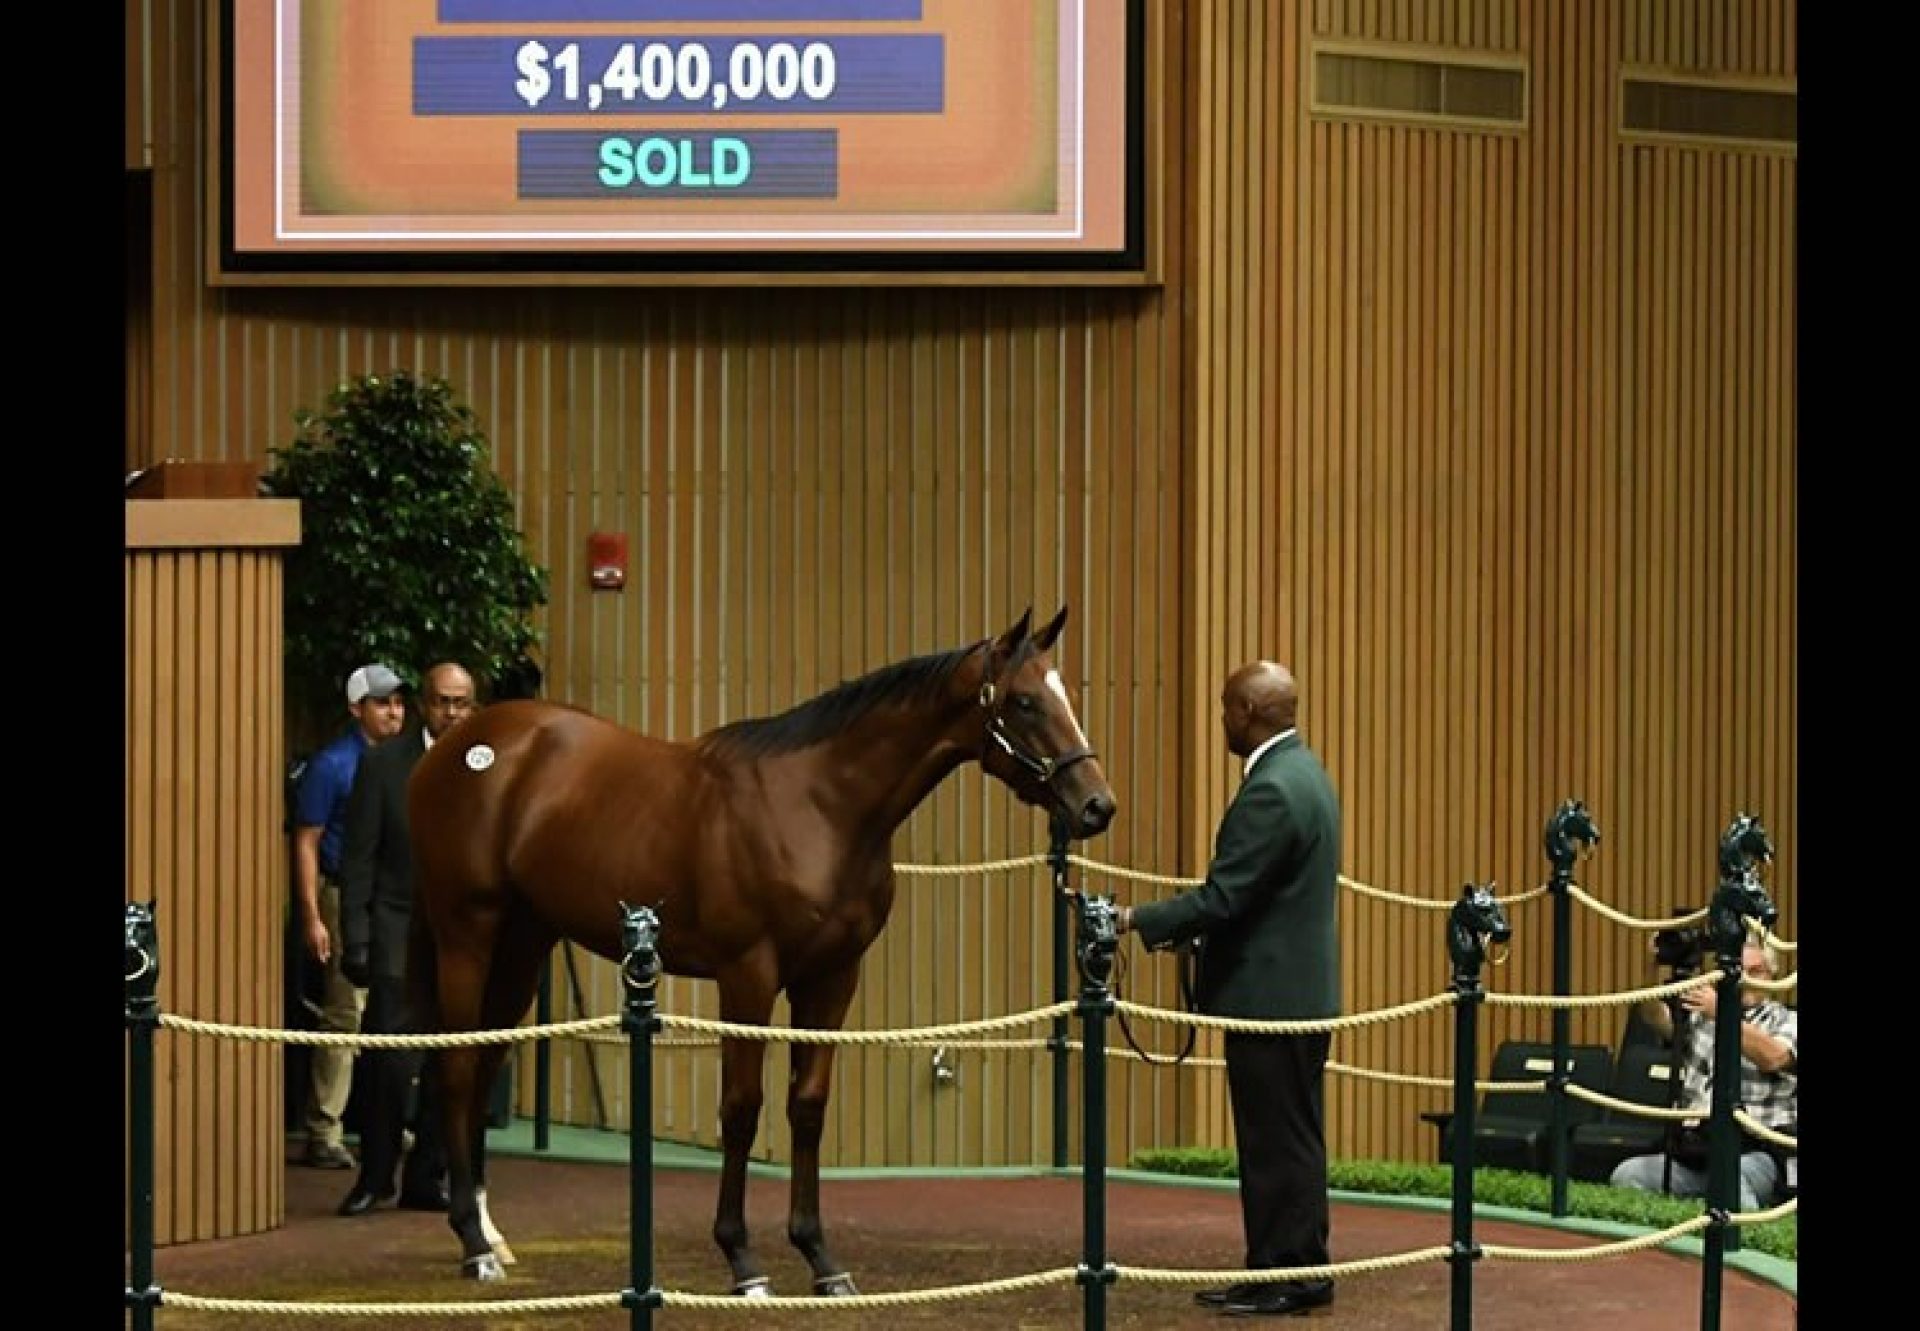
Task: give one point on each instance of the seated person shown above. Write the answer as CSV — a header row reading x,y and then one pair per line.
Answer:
x,y
1769,1084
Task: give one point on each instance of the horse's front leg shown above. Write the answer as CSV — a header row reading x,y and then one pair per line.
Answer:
x,y
819,1005
745,1000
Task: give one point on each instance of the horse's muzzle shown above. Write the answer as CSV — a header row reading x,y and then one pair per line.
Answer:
x,y
1095,814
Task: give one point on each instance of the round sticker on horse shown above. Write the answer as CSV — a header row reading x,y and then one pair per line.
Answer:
x,y
765,847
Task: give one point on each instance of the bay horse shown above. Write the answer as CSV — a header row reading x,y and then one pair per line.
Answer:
x,y
765,847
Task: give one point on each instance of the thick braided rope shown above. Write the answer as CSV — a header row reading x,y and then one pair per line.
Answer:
x,y
489,1307
1598,1251
509,1035
1593,1097
1675,922
1428,903
1634,921
1133,875
801,1035
1762,1131
964,870
1162,1276
1666,990
1579,1092
659,1041
1064,1275
1285,1027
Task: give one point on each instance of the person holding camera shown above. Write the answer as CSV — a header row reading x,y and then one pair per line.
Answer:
x,y
1769,1085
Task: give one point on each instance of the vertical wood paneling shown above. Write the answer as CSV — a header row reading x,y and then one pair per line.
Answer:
x,y
1488,435
1533,469
203,804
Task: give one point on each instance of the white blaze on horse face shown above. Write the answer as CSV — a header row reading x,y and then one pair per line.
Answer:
x,y
1059,688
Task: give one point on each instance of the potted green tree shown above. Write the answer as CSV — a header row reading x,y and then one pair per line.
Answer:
x,y
408,553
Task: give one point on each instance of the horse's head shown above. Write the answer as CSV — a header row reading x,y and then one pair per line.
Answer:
x,y
1476,919
1744,846
1032,740
1570,825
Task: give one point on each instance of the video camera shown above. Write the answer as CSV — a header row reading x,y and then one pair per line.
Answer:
x,y
1681,950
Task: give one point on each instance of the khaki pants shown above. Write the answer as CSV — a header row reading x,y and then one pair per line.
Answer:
x,y
339,1010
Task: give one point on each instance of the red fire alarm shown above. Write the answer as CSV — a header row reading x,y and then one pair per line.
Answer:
x,y
607,560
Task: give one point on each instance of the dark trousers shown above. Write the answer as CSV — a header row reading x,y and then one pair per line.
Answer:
x,y
390,1079
1279,1128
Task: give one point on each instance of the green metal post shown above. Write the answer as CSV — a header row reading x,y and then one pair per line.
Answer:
x,y
1099,939
640,970
1740,897
1569,825
1474,920
143,1017
1059,837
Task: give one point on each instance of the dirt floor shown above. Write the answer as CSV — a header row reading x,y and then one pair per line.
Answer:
x,y
567,1225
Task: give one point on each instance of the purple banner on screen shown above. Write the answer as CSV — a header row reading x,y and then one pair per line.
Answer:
x,y
677,11
773,75
679,164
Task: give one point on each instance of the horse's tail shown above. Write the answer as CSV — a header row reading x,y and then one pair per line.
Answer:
x,y
423,979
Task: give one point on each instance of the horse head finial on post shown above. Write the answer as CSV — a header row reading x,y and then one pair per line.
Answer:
x,y
1570,831
143,956
640,943
1099,939
1475,920
1745,848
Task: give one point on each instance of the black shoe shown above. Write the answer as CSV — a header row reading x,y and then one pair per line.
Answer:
x,y
429,1197
362,1200
328,1155
1280,1300
1220,1298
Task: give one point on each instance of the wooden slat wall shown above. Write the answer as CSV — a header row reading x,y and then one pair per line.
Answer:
x,y
1488,434
1508,480
814,484
203,842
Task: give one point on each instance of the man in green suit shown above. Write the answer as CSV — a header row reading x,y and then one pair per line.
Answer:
x,y
1267,923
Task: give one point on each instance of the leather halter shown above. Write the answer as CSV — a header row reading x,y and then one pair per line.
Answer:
x,y
1041,768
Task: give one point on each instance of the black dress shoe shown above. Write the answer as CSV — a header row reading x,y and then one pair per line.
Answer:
x,y
1281,1300
427,1197
362,1200
1220,1298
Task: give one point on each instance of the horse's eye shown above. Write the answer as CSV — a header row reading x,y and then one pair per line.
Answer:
x,y
1024,701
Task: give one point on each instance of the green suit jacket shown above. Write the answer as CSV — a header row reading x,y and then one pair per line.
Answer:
x,y
1267,915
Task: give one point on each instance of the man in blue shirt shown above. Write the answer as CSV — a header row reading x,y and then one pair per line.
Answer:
x,y
377,702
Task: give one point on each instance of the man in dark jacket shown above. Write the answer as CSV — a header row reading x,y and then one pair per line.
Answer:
x,y
1266,919
376,910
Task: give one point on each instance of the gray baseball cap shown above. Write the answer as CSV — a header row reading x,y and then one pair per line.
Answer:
x,y
373,681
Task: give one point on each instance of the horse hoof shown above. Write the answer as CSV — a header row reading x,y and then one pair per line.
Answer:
x,y
759,1287
503,1252
837,1286
483,1266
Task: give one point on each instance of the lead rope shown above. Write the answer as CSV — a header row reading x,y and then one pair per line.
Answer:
x,y
1186,961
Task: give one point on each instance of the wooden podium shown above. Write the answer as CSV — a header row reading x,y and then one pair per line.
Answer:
x,y
204,808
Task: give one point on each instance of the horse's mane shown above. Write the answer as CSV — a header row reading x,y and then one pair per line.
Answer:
x,y
820,718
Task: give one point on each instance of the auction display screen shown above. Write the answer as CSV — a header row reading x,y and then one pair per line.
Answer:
x,y
582,135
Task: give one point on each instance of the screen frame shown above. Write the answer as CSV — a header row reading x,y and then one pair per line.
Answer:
x,y
1135,263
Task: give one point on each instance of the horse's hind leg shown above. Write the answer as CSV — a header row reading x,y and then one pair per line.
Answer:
x,y
460,982
522,944
746,999
819,1005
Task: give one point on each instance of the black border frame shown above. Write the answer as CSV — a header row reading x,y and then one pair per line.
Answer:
x,y
369,267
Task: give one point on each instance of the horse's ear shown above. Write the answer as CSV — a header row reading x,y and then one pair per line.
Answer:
x,y
1010,641
1046,637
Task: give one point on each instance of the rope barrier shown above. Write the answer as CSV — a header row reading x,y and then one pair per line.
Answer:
x,y
1574,890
